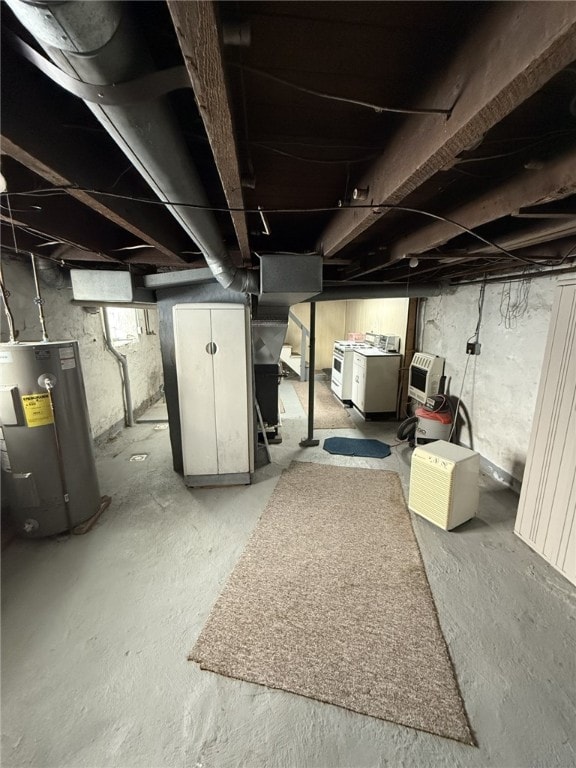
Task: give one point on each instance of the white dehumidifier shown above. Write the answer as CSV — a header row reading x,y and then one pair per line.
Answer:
x,y
444,483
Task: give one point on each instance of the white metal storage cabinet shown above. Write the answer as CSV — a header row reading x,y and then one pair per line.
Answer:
x,y
214,370
546,518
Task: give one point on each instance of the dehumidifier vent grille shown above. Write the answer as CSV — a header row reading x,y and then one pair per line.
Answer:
x,y
431,489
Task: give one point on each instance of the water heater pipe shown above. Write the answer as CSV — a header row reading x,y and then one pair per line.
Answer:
x,y
48,385
123,363
39,301
97,43
7,311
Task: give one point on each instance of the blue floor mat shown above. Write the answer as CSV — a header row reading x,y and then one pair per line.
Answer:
x,y
353,446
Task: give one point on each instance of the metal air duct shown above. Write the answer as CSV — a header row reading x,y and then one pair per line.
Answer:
x,y
353,292
98,44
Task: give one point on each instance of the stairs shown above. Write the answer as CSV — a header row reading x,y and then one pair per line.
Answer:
x,y
293,361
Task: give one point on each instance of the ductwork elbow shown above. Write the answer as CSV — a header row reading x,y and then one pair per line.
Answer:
x,y
51,273
235,279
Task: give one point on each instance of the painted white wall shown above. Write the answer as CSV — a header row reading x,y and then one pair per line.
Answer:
x,y
66,321
501,383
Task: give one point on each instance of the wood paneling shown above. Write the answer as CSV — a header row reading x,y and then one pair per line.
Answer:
x,y
335,319
546,518
378,316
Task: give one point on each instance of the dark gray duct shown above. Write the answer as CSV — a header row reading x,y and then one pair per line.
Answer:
x,y
95,42
49,270
52,274
352,292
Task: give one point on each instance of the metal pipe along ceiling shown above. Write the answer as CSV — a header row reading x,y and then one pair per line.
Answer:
x,y
97,43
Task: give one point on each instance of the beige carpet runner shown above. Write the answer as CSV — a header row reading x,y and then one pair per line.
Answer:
x,y
328,412
330,600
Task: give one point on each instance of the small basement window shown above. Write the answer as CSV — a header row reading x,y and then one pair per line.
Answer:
x,y
124,325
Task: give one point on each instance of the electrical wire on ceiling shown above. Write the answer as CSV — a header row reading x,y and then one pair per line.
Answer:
x,y
488,176
510,153
48,242
319,161
139,247
124,172
19,210
356,102
59,261
51,242
509,139
570,252
51,191
541,272
513,278
320,144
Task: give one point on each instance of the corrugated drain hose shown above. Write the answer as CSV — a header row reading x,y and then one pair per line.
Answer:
x,y
407,430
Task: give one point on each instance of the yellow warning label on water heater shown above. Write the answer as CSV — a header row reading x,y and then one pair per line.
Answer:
x,y
37,409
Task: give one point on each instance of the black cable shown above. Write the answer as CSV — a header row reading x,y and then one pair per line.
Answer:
x,y
50,191
512,152
514,278
292,156
333,97
476,333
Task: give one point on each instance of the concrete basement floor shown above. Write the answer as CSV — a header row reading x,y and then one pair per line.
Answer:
x,y
96,630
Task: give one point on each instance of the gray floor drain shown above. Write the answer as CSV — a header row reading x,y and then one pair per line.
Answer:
x,y
138,457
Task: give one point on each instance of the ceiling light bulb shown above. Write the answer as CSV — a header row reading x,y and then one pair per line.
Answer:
x,y
413,262
360,193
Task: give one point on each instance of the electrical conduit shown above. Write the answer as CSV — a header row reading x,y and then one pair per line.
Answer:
x,y
123,363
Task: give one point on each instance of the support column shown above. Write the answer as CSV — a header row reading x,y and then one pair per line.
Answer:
x,y
308,441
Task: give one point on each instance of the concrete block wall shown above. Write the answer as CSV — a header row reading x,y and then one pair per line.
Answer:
x,y
100,369
501,384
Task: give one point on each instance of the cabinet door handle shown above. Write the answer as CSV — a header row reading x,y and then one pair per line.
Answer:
x,y
211,348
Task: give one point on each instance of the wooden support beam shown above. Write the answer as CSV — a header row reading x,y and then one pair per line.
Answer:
x,y
26,242
409,349
117,212
32,133
555,180
510,55
197,29
531,236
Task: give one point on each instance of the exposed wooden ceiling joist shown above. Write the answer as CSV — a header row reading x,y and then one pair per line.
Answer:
x,y
531,236
513,53
123,214
198,34
34,137
25,241
555,180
